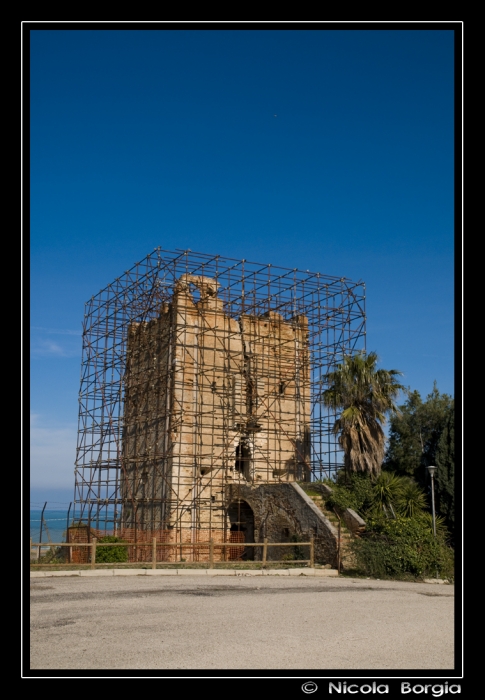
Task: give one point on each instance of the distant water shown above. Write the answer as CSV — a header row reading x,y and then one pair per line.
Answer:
x,y
57,522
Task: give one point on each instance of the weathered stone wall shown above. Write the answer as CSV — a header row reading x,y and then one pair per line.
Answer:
x,y
146,419
284,510
212,403
208,362
352,520
278,395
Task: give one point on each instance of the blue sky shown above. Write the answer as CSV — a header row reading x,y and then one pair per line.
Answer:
x,y
329,150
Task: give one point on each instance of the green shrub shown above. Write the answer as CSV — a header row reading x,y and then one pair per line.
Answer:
x,y
388,494
399,540
402,547
106,555
441,529
53,556
352,491
412,500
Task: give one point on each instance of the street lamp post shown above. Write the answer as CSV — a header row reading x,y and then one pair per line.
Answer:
x,y
431,471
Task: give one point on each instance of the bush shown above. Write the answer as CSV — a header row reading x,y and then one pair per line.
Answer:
x,y
387,494
58,555
352,491
107,555
398,548
412,501
399,540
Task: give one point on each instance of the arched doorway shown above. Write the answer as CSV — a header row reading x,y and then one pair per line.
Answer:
x,y
241,529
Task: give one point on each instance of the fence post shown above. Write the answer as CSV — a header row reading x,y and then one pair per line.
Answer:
x,y
265,551
338,541
211,553
30,550
338,551
93,552
312,553
154,553
40,533
69,549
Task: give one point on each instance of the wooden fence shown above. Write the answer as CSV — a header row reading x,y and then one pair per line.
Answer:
x,y
211,544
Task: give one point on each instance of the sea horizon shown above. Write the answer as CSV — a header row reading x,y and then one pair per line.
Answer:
x,y
58,517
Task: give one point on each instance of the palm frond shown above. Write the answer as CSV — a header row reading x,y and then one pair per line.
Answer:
x,y
412,499
363,395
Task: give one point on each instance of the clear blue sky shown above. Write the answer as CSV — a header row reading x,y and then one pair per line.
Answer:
x,y
329,150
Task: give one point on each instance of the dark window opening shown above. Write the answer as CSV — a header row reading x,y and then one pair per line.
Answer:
x,y
242,460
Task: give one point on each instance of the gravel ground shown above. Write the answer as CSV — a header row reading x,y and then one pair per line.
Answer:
x,y
226,623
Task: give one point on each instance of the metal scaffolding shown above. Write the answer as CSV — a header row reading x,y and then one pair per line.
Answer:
x,y
200,373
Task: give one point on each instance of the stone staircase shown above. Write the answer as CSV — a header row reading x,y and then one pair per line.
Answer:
x,y
346,557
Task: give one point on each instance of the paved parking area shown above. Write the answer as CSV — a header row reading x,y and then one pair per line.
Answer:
x,y
229,623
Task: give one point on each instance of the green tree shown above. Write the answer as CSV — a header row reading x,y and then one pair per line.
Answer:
x,y
445,473
414,434
363,395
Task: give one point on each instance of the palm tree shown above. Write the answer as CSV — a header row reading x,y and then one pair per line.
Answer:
x,y
387,490
397,495
363,395
412,501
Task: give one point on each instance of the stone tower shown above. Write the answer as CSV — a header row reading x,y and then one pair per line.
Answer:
x,y
210,402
